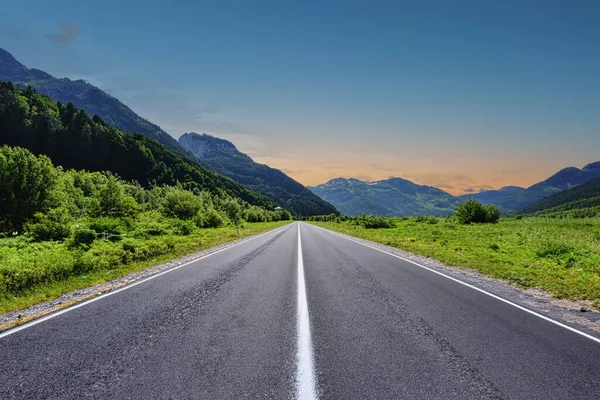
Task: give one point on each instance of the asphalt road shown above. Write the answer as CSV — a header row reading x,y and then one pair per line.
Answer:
x,y
356,323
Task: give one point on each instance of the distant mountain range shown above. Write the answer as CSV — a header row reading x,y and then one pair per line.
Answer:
x,y
513,198
399,197
579,201
85,96
391,197
223,157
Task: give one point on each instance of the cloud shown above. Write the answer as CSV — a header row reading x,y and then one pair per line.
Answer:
x,y
68,33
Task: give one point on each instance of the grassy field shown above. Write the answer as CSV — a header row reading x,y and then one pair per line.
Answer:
x,y
561,256
32,272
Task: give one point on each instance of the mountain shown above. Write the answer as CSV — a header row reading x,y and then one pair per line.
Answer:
x,y
579,201
393,197
84,96
503,198
223,157
516,198
71,139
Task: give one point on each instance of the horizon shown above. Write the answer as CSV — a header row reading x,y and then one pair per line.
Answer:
x,y
463,97
400,177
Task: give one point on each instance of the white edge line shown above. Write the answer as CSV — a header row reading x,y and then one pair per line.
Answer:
x,y
588,336
53,314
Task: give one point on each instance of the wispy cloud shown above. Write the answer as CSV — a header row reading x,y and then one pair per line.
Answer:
x,y
68,32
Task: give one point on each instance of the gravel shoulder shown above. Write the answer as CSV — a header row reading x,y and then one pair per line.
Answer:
x,y
565,311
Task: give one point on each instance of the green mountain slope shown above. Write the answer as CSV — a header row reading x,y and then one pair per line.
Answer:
x,y
515,198
580,201
73,140
222,156
392,197
85,96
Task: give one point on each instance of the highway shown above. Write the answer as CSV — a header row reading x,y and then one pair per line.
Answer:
x,y
298,312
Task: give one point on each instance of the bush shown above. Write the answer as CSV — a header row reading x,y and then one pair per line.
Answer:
x,y
114,202
82,237
25,185
472,211
181,204
151,223
429,220
376,222
112,226
209,219
20,270
254,215
103,255
184,228
492,213
55,225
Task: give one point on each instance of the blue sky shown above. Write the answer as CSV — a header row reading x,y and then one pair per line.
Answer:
x,y
463,95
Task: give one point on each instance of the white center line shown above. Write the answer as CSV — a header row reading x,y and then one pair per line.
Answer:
x,y
305,372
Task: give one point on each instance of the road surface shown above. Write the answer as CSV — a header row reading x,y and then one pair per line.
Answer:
x,y
337,320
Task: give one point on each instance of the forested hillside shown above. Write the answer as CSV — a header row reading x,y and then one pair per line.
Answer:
x,y
223,157
580,201
514,198
74,140
84,96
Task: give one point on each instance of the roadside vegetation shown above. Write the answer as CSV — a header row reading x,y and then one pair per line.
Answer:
x,y
62,230
559,255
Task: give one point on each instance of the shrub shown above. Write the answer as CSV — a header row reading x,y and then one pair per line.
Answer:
x,y
111,226
492,213
285,215
209,219
183,227
114,202
25,185
102,255
370,222
179,203
255,215
472,211
429,220
21,270
55,225
82,237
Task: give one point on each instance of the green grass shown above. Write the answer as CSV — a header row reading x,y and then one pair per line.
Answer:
x,y
561,256
60,270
